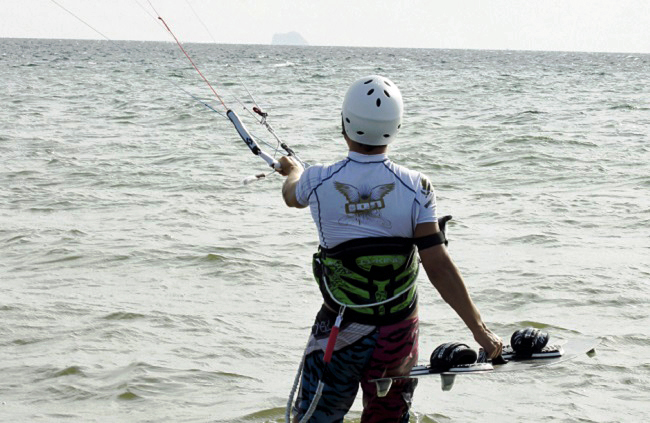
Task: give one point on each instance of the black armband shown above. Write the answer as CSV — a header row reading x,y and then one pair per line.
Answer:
x,y
430,240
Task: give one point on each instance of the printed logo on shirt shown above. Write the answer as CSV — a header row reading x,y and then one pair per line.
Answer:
x,y
427,191
364,204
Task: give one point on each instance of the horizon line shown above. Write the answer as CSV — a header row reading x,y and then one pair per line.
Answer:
x,y
330,45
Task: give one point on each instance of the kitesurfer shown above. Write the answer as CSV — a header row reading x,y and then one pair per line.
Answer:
x,y
372,216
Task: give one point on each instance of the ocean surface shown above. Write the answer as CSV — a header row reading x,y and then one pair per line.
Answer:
x,y
141,281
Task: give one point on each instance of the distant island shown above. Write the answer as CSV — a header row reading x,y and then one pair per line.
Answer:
x,y
289,39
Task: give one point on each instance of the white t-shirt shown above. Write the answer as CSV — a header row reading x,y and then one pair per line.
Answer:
x,y
365,196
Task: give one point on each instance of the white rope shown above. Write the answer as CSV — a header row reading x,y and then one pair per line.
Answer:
x,y
296,382
314,403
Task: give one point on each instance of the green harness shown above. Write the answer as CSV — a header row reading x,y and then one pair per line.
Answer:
x,y
373,278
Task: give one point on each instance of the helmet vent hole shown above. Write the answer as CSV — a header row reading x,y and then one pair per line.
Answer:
x,y
387,83
347,120
386,135
399,126
360,132
386,93
378,102
371,91
368,81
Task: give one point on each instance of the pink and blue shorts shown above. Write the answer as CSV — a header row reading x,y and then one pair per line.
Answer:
x,y
362,353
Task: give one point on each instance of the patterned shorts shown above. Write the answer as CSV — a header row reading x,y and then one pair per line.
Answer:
x,y
362,353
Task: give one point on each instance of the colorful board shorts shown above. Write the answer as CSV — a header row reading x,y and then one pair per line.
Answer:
x,y
362,353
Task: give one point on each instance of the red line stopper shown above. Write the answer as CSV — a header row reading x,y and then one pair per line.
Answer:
x,y
331,341
260,112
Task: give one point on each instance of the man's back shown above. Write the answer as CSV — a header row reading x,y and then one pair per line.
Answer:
x,y
365,196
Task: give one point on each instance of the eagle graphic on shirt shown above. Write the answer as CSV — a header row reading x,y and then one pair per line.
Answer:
x,y
364,205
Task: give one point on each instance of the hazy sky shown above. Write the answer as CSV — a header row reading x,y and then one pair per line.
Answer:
x,y
573,25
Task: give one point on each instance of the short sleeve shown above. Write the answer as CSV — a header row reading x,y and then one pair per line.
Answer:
x,y
426,202
308,181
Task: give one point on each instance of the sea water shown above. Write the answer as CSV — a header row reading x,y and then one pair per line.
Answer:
x,y
141,281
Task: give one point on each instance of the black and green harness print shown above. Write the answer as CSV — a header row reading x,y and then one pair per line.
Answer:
x,y
374,278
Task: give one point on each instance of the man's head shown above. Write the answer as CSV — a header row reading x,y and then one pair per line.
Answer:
x,y
372,112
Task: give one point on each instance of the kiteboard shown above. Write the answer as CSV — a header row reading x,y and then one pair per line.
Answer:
x,y
551,355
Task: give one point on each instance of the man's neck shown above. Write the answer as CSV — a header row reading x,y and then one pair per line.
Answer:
x,y
353,146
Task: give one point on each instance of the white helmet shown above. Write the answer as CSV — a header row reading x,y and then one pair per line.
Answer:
x,y
372,111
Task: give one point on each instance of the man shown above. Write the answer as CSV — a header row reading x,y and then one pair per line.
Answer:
x,y
371,214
